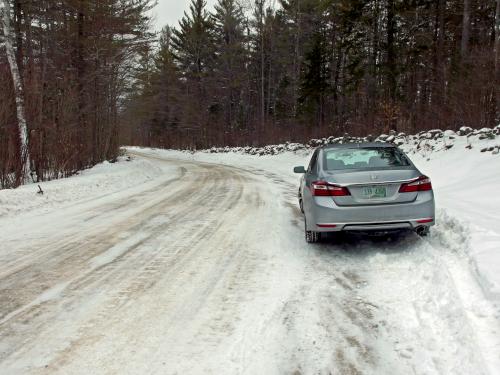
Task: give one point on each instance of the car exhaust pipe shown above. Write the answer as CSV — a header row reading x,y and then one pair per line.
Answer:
x,y
422,230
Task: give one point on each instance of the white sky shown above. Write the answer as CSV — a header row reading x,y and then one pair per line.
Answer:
x,y
169,12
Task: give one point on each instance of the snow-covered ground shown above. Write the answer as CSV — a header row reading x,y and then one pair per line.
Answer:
x,y
104,178
466,183
178,263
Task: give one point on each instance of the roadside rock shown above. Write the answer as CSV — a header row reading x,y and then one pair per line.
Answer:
x,y
465,130
435,139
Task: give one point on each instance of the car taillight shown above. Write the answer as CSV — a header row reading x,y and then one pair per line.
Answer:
x,y
423,183
324,189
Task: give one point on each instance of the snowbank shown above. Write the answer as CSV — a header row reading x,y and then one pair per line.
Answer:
x,y
105,178
430,140
466,183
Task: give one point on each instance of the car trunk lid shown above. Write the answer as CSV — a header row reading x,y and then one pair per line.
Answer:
x,y
373,187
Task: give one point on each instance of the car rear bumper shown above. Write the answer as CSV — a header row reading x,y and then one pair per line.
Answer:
x,y
325,216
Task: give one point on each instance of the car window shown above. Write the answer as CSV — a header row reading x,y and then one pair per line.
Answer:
x,y
360,158
313,162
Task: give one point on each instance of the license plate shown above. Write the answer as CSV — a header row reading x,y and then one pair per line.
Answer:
x,y
374,192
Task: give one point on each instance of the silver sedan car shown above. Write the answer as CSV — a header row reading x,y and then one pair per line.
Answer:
x,y
365,187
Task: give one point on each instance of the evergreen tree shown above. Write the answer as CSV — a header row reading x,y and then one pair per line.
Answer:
x,y
229,68
167,90
315,80
193,47
192,43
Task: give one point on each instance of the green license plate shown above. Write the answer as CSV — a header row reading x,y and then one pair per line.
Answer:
x,y
374,192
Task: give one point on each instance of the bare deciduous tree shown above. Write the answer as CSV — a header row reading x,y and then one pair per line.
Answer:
x,y
18,86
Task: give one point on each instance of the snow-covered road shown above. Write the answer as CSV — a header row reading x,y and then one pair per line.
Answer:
x,y
204,270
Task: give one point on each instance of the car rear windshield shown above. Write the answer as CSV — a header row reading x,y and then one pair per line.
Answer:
x,y
362,158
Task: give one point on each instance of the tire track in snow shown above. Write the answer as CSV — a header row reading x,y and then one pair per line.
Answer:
x,y
59,251
201,295
102,243
55,261
89,213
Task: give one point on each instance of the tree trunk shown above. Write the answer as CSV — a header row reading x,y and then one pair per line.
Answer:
x,y
465,30
18,35
296,59
391,55
497,58
262,66
18,88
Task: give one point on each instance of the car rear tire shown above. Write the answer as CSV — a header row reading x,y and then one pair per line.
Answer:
x,y
311,236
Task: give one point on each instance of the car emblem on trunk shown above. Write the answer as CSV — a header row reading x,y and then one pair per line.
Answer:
x,y
374,177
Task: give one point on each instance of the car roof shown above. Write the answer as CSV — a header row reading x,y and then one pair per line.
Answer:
x,y
359,145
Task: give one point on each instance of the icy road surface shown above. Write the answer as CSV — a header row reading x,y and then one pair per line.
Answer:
x,y
204,270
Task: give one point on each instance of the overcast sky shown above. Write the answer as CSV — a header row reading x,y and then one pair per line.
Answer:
x,y
169,12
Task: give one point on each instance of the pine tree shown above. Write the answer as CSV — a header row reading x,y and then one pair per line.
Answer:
x,y
229,68
315,80
193,47
166,90
192,43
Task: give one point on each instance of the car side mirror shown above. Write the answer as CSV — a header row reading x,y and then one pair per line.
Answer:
x,y
300,169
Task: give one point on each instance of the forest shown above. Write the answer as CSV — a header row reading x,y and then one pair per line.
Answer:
x,y
254,74
92,75
65,66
